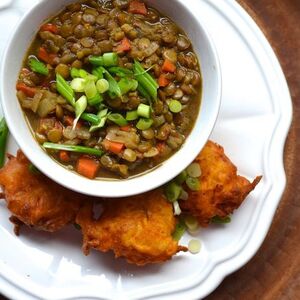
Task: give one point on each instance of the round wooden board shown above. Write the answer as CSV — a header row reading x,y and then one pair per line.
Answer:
x,y
274,272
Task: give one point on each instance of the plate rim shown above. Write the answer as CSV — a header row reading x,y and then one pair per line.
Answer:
x,y
251,246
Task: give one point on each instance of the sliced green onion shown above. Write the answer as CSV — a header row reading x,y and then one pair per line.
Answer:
x,y
78,85
90,89
144,124
175,106
75,73
181,178
106,60
132,115
194,246
80,107
145,73
193,183
172,191
77,226
3,140
91,118
121,72
144,93
191,222
37,66
83,73
126,85
118,119
147,83
183,195
64,89
98,72
96,100
102,116
114,89
179,230
176,207
220,220
33,169
72,148
144,111
102,85
194,170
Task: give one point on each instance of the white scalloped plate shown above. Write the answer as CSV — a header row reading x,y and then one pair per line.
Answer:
x,y
254,120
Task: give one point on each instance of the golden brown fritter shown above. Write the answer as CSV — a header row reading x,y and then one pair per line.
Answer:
x,y
221,189
35,200
138,228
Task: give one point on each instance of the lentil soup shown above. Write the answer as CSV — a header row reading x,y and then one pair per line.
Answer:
x,y
110,89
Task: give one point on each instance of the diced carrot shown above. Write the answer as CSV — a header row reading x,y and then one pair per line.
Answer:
x,y
68,120
168,66
113,147
45,56
64,156
27,90
160,147
163,80
137,7
49,27
124,45
126,128
87,167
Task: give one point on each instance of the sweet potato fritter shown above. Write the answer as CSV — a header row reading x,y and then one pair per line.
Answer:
x,y
138,228
35,200
221,189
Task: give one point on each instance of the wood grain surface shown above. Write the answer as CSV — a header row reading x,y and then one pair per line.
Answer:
x,y
274,273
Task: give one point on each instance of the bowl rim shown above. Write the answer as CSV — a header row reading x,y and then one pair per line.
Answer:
x,y
110,188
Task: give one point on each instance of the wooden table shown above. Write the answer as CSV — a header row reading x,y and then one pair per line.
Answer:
x,y
274,273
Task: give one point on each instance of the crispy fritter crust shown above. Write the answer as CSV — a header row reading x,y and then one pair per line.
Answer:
x,y
221,189
138,228
35,200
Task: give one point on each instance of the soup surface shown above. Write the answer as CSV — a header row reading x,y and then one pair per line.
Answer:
x,y
110,88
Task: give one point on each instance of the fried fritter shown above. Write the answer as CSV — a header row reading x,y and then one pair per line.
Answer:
x,y
35,200
138,228
221,189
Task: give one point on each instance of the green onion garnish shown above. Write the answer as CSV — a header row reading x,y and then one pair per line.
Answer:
x,y
33,169
191,222
80,107
72,148
194,170
121,72
193,183
144,111
78,85
181,178
220,220
179,230
37,66
102,85
172,191
91,118
106,60
3,140
126,85
144,124
175,106
65,89
102,116
132,115
118,119
144,79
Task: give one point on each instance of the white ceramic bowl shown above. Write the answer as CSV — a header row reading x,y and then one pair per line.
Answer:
x,y
178,11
